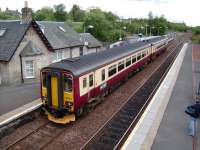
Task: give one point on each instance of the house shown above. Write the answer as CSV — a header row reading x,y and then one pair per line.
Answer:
x,y
92,45
27,45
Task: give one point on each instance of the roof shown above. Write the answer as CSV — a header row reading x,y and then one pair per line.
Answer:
x,y
90,40
89,62
30,50
11,38
59,34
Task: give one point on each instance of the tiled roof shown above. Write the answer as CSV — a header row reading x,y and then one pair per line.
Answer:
x,y
10,40
59,34
90,40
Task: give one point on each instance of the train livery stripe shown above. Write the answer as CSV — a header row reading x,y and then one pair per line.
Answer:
x,y
54,91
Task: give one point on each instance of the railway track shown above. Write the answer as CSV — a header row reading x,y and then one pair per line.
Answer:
x,y
38,138
116,130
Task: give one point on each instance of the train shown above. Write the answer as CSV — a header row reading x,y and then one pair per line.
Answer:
x,y
73,85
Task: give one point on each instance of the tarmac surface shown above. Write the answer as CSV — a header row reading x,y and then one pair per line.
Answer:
x,y
173,131
17,95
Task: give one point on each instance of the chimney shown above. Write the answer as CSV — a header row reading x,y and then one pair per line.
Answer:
x,y
26,14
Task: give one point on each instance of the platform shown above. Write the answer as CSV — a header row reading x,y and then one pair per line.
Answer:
x,y
164,124
20,111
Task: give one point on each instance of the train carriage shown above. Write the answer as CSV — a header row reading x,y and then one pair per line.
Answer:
x,y
69,85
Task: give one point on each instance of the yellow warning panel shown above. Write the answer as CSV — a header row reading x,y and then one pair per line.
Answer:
x,y
66,119
54,91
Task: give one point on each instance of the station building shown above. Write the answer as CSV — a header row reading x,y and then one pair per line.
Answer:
x,y
27,45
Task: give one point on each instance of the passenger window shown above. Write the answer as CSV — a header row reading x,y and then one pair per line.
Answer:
x,y
103,75
143,54
112,70
128,62
67,84
133,59
121,66
138,56
84,82
90,80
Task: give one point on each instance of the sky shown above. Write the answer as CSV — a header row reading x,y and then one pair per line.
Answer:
x,y
174,10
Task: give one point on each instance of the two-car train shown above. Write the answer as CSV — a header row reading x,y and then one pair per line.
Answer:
x,y
68,86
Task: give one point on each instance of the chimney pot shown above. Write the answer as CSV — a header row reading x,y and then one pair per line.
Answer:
x,y
26,4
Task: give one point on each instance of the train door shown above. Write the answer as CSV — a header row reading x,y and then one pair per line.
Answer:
x,y
91,86
54,91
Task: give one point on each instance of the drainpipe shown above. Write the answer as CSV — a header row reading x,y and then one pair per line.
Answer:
x,y
22,76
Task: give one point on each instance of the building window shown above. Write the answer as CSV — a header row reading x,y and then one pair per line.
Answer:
x,y
29,70
121,66
59,55
112,70
128,61
91,80
81,51
103,75
84,82
133,59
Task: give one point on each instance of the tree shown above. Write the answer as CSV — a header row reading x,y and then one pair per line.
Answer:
x,y
46,13
77,14
60,14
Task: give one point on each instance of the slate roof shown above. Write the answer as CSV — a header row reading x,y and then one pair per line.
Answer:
x,y
90,40
30,50
11,38
59,34
86,63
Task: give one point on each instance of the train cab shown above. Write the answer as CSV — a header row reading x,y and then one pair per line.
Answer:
x,y
57,93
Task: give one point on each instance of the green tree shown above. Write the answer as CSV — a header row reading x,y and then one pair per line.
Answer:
x,y
60,14
77,14
46,13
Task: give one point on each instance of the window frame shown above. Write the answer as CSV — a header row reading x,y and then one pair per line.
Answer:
x,y
29,74
134,57
112,70
128,61
68,76
120,64
103,75
91,80
84,82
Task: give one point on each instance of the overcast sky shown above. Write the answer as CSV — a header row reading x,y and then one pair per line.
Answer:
x,y
175,10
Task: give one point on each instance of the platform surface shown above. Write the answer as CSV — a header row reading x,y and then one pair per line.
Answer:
x,y
14,96
172,133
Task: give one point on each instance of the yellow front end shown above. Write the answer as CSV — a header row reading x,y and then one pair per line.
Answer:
x,y
57,97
